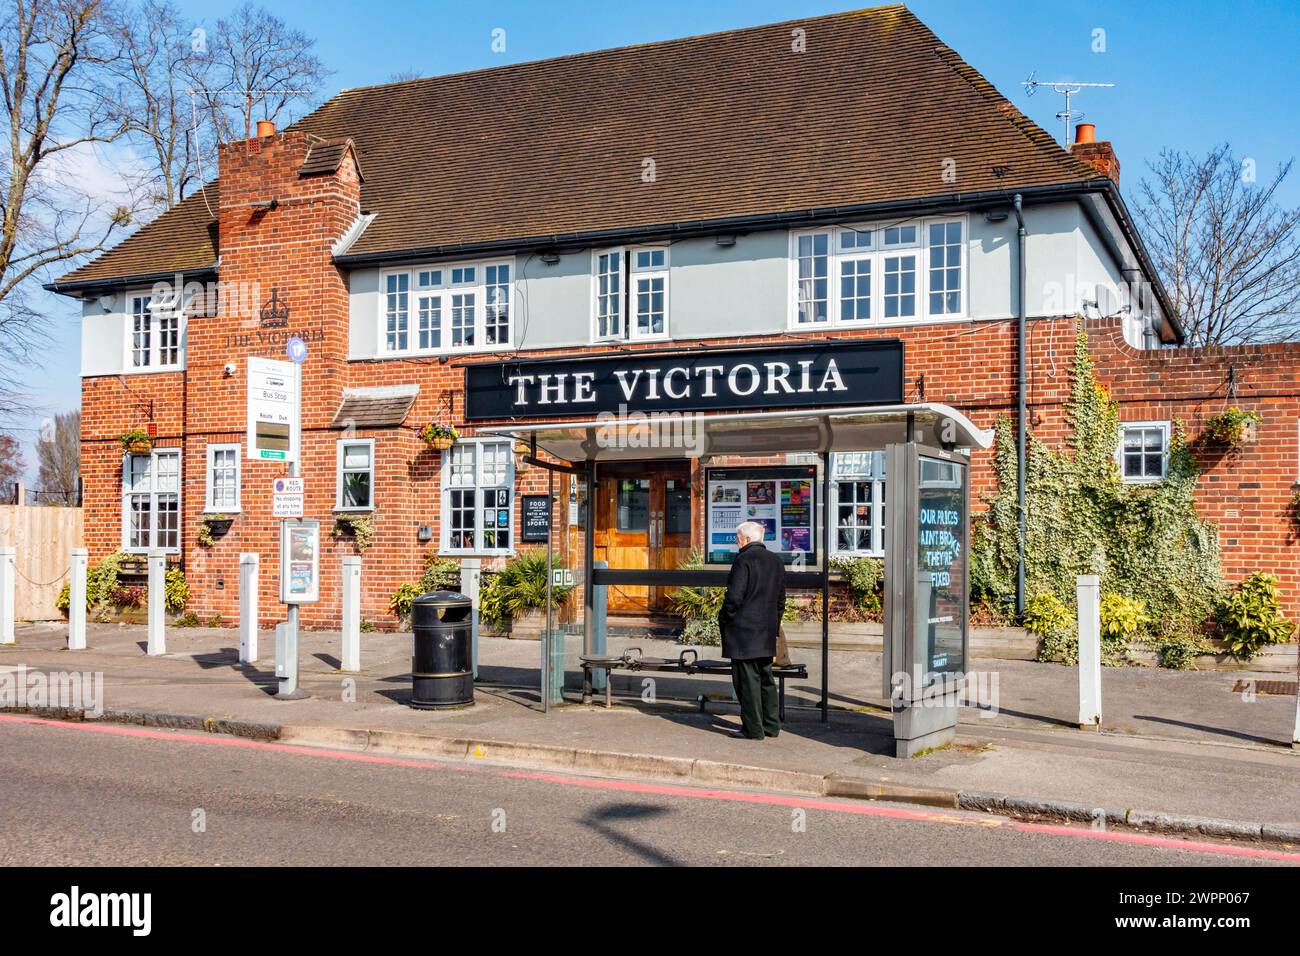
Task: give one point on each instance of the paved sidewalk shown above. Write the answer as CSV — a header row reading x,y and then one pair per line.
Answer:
x,y
1181,743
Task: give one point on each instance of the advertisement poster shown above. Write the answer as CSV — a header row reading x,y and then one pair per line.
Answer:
x,y
299,561
781,499
941,565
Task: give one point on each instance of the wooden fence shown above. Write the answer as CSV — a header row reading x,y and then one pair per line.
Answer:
x,y
44,537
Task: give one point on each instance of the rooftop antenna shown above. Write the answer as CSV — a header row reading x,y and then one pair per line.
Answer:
x,y
1066,88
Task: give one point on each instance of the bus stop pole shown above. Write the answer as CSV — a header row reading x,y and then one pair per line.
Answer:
x,y
588,559
550,571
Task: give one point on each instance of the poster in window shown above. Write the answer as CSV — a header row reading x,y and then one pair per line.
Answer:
x,y
780,498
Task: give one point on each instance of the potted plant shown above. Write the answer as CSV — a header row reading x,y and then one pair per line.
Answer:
x,y
213,526
136,441
439,435
1232,426
516,595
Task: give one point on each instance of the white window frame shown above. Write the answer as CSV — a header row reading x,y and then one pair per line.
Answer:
x,y
876,478
153,494
636,273
878,252
210,505
442,291
159,312
620,256
338,475
479,487
1166,433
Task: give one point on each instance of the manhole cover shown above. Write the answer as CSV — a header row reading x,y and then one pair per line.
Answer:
x,y
1278,688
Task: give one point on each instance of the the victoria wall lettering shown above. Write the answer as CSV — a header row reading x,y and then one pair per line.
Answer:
x,y
863,373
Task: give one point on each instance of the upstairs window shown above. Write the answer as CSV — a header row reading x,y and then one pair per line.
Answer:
x,y
156,331
881,274
649,293
456,308
608,290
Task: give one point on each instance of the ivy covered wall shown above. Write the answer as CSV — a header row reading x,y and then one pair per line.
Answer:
x,y
1145,541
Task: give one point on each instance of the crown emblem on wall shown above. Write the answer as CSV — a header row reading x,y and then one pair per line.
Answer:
x,y
276,312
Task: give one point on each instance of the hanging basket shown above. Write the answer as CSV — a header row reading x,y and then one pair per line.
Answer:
x,y
439,437
140,446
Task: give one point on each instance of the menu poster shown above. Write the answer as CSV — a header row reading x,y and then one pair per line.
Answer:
x,y
781,499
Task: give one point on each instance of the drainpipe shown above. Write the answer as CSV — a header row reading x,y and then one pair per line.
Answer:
x,y
1022,402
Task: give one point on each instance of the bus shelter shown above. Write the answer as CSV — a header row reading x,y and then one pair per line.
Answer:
x,y
928,524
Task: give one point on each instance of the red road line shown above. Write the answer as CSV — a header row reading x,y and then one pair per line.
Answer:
x,y
950,818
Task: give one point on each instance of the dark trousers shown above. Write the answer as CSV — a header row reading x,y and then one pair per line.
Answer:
x,y
756,691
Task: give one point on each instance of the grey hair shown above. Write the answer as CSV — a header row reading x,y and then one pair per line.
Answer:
x,y
752,530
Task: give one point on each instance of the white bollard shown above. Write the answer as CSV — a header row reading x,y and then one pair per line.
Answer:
x,y
1295,734
248,608
351,613
1088,590
77,600
8,572
471,576
157,603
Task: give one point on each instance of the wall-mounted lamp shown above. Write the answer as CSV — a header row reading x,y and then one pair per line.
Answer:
x,y
550,258
106,302
726,241
996,215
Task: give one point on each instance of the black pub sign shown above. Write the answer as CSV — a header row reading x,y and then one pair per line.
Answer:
x,y
535,523
690,380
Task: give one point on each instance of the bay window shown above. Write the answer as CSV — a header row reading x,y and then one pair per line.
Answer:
x,y
477,496
457,308
151,487
881,274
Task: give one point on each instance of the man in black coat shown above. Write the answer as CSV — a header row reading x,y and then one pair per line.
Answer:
x,y
749,619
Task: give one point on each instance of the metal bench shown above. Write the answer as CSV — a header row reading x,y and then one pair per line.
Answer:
x,y
687,662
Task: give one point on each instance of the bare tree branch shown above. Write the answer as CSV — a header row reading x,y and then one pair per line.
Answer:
x,y
1227,252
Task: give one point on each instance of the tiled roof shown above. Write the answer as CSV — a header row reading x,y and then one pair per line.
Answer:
x,y
183,239
375,406
876,108
325,156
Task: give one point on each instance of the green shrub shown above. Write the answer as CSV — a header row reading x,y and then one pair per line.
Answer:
x,y
188,619
359,527
1178,649
101,583
866,579
1250,618
403,597
440,574
702,631
1044,615
519,586
177,590
696,603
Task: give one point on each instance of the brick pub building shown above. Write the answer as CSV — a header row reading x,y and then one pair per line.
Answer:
x,y
827,181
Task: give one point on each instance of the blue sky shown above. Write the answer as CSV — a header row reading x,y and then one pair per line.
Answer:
x,y
1188,74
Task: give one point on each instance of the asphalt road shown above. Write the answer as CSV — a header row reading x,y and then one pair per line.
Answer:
x,y
112,795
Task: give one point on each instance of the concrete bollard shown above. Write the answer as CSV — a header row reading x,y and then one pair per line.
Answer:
x,y
8,574
248,610
1088,590
157,603
351,653
471,576
77,599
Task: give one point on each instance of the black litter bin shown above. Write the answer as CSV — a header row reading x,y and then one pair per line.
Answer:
x,y
441,675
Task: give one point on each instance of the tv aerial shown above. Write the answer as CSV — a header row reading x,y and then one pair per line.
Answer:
x,y
1066,88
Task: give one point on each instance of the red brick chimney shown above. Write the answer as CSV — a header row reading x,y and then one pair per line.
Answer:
x,y
1099,155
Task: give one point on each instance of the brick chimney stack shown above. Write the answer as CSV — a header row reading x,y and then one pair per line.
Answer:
x,y
1099,155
